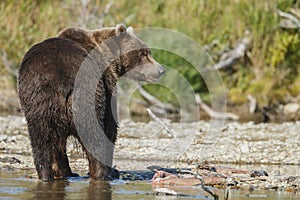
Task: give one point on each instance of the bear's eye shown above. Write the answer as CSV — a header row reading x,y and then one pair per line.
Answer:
x,y
148,52
143,53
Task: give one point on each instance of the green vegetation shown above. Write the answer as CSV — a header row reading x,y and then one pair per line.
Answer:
x,y
270,71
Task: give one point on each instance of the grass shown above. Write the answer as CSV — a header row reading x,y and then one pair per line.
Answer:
x,y
274,53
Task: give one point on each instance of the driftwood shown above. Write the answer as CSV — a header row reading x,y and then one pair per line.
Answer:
x,y
252,103
290,20
156,109
230,57
154,101
207,189
214,114
153,117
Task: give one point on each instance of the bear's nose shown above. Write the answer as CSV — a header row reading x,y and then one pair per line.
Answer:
x,y
161,70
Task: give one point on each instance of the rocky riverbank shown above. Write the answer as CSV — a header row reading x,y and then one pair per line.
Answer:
x,y
214,142
140,145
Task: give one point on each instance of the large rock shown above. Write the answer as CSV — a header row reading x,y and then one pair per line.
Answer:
x,y
291,108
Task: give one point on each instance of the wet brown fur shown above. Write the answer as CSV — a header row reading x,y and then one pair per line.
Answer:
x,y
45,83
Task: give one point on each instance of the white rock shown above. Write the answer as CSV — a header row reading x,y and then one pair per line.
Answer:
x,y
244,147
291,108
3,137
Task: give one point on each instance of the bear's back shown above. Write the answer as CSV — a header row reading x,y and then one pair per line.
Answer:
x,y
47,74
50,55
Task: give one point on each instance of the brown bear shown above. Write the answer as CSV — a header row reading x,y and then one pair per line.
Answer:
x,y
57,104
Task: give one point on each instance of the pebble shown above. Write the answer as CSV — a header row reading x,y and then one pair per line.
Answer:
x,y
3,137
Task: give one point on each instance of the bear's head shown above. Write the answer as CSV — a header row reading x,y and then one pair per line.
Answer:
x,y
120,48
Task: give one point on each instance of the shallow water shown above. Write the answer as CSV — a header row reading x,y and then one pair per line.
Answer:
x,y
15,185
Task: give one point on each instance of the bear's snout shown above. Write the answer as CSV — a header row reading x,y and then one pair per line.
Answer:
x,y
161,70
155,74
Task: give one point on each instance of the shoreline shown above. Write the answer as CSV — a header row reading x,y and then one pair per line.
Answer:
x,y
231,143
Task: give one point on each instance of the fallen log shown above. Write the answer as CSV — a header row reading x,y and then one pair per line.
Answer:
x,y
154,101
214,114
290,22
236,53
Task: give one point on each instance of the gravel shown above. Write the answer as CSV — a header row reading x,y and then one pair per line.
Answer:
x,y
196,142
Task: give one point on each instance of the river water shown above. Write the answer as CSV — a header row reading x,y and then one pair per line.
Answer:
x,y
15,184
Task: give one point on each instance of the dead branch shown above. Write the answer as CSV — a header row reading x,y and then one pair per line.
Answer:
x,y
210,46
8,64
140,102
154,101
105,12
290,22
154,108
267,116
153,117
236,53
252,103
207,189
89,16
226,193
158,110
212,113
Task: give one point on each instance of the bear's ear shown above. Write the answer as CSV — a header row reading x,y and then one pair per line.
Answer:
x,y
130,31
120,28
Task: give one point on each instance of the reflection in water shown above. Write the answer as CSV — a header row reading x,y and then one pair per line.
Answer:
x,y
64,189
51,190
99,190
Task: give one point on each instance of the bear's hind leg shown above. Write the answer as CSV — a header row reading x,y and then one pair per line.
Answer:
x,y
99,171
42,150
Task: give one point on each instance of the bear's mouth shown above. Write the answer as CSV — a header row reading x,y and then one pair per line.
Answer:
x,y
143,76
153,79
150,78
